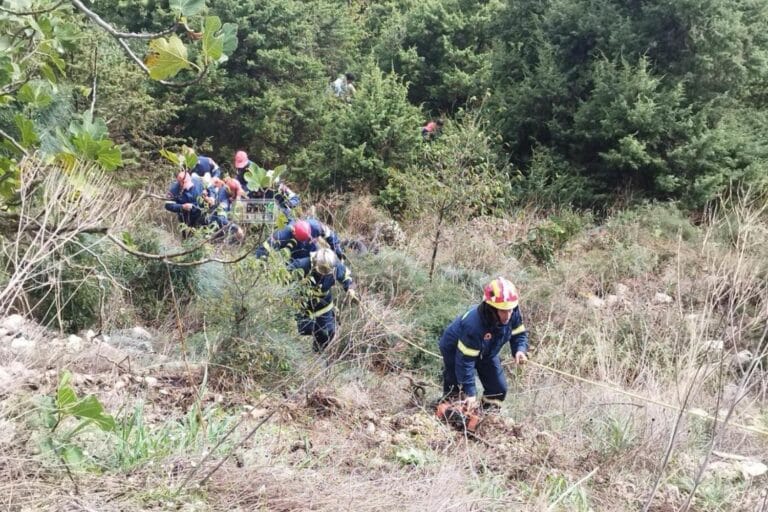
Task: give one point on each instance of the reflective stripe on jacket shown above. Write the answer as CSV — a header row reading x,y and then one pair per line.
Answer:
x,y
320,296
472,340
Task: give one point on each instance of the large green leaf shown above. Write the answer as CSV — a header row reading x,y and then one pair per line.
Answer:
x,y
34,94
172,157
90,408
73,456
102,151
27,130
6,70
65,397
167,57
213,46
255,177
229,38
110,157
96,128
190,159
187,7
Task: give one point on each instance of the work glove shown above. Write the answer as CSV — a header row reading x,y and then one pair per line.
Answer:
x,y
352,294
521,358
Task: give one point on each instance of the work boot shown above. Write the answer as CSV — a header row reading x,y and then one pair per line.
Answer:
x,y
490,407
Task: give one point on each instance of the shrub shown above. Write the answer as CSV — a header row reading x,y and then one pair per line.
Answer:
x,y
249,321
70,293
401,282
544,240
150,281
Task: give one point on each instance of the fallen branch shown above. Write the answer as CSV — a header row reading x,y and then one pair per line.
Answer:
x,y
167,257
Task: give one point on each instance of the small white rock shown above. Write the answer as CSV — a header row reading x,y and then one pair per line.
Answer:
x,y
714,345
90,334
7,432
74,343
722,470
258,413
141,333
595,302
662,298
752,468
742,359
620,289
151,382
13,323
611,299
22,344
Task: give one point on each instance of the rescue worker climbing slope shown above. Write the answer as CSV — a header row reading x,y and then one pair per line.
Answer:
x,y
300,237
317,316
472,342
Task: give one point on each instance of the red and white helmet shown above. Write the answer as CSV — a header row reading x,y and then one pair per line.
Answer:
x,y
302,231
501,294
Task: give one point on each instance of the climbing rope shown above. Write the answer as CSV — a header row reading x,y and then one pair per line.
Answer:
x,y
692,412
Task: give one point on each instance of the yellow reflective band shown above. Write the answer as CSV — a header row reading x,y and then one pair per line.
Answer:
x,y
469,352
491,401
518,330
321,311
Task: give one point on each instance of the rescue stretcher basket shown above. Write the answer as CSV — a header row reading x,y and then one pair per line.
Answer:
x,y
255,211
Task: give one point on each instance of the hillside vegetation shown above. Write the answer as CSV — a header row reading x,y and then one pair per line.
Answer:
x,y
607,157
652,313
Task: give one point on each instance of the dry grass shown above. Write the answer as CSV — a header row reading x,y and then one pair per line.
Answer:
x,y
349,434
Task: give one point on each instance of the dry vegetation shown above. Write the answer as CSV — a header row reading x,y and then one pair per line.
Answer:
x,y
656,315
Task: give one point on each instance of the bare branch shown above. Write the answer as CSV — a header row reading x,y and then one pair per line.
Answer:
x,y
95,76
15,143
148,256
32,13
14,86
167,257
135,58
122,36
114,32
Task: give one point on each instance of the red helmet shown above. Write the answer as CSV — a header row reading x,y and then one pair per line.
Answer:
x,y
302,231
501,294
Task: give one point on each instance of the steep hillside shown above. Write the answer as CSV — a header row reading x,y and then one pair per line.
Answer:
x,y
644,328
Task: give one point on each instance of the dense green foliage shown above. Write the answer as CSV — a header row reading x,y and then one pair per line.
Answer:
x,y
44,48
582,99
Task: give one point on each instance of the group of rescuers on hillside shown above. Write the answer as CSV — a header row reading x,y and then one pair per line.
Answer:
x,y
470,345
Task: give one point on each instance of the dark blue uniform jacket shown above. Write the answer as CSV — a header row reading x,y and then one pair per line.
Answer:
x,y
471,341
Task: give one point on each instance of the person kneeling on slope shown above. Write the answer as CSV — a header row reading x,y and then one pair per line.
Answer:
x,y
472,342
